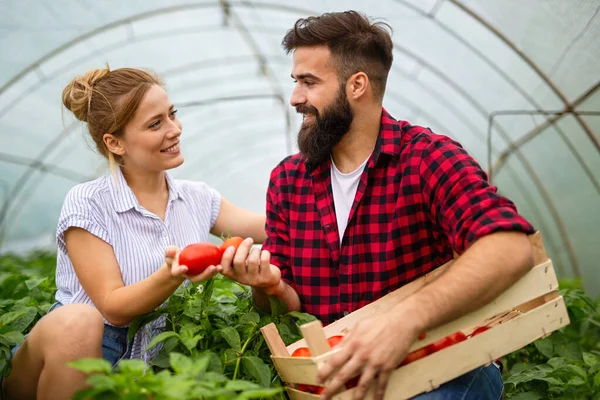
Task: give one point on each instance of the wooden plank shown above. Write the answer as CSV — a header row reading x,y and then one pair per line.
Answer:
x,y
315,337
274,342
538,249
430,372
298,395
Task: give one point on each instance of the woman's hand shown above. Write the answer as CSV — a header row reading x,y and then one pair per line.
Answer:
x,y
180,271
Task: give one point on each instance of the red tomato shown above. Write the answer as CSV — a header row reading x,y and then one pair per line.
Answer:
x,y
439,344
301,352
234,241
447,341
415,355
334,340
479,330
199,256
310,388
458,337
305,352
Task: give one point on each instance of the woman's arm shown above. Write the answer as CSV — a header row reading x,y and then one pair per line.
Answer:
x,y
96,267
236,221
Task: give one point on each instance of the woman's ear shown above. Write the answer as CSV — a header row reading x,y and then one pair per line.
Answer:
x,y
357,85
113,144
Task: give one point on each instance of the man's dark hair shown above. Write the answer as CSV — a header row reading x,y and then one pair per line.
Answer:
x,y
356,44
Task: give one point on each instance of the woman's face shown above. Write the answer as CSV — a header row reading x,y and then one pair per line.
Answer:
x,y
151,139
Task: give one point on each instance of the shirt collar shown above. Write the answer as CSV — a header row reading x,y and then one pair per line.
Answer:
x,y
388,142
123,197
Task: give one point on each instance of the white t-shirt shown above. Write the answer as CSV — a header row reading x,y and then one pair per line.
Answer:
x,y
344,188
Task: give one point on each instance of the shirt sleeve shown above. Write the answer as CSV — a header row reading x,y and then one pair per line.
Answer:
x,y
80,210
461,200
278,239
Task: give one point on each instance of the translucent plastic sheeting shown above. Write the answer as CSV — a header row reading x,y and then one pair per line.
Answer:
x,y
456,62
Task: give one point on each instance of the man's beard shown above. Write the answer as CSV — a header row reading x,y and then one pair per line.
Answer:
x,y
317,138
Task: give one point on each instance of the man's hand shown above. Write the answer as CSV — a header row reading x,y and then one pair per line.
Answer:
x,y
180,271
374,348
252,267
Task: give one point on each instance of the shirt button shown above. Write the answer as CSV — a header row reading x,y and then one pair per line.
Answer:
x,y
346,313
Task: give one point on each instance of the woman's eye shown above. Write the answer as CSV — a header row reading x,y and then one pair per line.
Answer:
x,y
154,125
174,112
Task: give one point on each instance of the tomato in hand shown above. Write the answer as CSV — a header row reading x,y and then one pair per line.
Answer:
x,y
199,256
234,241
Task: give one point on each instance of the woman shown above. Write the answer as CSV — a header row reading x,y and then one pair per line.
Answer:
x,y
113,234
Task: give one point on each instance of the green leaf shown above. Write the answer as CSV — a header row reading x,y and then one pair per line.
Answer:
x,y
570,351
101,383
189,338
161,337
590,359
11,338
576,370
89,365
576,381
180,363
303,318
557,362
259,393
257,369
33,283
239,385
19,319
133,368
142,320
251,318
528,396
545,347
278,307
231,336
597,381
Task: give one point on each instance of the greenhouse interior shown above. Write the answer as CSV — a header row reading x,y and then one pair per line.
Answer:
x,y
516,83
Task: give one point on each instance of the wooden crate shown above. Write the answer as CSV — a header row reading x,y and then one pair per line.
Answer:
x,y
529,310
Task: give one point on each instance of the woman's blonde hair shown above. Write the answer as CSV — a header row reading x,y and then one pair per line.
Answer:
x,y
107,100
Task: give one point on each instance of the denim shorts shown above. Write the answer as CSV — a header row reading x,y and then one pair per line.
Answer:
x,y
114,342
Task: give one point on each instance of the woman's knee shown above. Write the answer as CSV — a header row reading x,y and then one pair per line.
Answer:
x,y
74,324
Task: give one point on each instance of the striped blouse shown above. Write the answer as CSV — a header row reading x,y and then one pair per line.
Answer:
x,y
108,209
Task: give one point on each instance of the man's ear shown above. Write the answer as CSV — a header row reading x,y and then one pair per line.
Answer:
x,y
113,144
357,85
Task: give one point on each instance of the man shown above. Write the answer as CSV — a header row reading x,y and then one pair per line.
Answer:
x,y
372,203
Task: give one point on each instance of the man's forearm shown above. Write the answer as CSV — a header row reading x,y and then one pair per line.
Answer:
x,y
484,271
284,292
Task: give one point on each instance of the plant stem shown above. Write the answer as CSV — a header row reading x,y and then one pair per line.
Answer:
x,y
237,363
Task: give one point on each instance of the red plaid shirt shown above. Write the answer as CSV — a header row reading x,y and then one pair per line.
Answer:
x,y
420,196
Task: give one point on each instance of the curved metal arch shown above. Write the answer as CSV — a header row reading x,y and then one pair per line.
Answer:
x,y
517,144
179,8
549,82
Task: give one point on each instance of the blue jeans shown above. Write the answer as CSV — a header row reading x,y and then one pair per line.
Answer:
x,y
483,383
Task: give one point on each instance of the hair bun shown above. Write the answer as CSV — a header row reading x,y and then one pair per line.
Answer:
x,y
77,95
